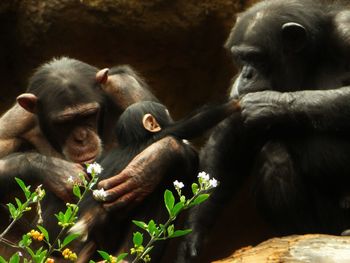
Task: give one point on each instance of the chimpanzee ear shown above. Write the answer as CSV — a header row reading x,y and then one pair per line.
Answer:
x,y
102,76
294,36
28,101
150,123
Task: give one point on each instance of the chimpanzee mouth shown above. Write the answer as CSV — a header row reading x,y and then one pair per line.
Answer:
x,y
87,159
81,158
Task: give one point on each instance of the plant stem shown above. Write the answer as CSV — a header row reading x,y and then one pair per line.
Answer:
x,y
170,220
75,211
7,229
25,205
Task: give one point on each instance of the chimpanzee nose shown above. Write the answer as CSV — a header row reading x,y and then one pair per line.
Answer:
x,y
80,134
248,72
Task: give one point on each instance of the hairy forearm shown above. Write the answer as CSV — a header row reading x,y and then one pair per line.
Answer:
x,y
144,173
124,90
321,109
15,122
20,165
160,156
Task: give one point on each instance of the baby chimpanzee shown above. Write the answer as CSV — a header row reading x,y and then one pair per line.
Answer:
x,y
140,125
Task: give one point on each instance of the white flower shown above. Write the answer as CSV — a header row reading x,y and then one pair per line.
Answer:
x,y
178,185
99,195
20,253
213,182
204,176
94,168
70,180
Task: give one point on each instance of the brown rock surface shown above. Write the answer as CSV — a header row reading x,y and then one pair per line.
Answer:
x,y
295,249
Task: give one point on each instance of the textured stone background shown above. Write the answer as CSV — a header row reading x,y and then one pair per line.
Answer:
x,y
177,45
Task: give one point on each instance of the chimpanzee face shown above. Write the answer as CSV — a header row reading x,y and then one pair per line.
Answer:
x,y
268,49
74,131
66,98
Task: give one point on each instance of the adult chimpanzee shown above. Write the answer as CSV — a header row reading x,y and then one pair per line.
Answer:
x,y
140,125
66,116
292,131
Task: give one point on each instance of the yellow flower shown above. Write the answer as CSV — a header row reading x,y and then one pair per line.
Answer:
x,y
73,257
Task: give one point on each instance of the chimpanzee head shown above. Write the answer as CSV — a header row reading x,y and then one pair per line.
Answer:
x,y
277,44
140,121
66,98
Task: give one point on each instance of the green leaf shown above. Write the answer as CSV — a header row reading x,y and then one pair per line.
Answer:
x,y
19,203
103,254
179,233
140,224
137,239
201,198
195,188
119,257
152,228
169,200
170,230
23,187
45,233
91,261
183,199
13,210
25,242
175,211
40,255
67,215
76,191
30,252
162,227
14,258
2,260
69,239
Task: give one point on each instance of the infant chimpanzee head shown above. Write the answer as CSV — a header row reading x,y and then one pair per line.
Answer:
x,y
140,121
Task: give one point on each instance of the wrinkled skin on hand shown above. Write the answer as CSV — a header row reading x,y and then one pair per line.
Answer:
x,y
265,107
141,176
57,181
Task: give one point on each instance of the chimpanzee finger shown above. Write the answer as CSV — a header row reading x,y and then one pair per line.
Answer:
x,y
120,190
121,202
114,181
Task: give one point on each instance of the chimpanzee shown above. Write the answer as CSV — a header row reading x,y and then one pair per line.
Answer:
x,y
291,134
70,108
140,125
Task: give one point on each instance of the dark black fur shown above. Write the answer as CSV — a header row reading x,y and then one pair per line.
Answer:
x,y
133,139
292,134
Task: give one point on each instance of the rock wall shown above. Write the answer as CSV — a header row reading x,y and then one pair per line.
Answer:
x,y
176,45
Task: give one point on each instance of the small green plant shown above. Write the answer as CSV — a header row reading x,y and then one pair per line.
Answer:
x,y
64,219
68,218
159,232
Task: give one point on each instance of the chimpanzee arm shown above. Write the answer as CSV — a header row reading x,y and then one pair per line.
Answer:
x,y
125,87
327,110
35,168
143,174
18,126
14,123
201,120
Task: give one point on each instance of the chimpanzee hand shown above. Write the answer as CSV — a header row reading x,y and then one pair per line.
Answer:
x,y
265,107
141,176
58,175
